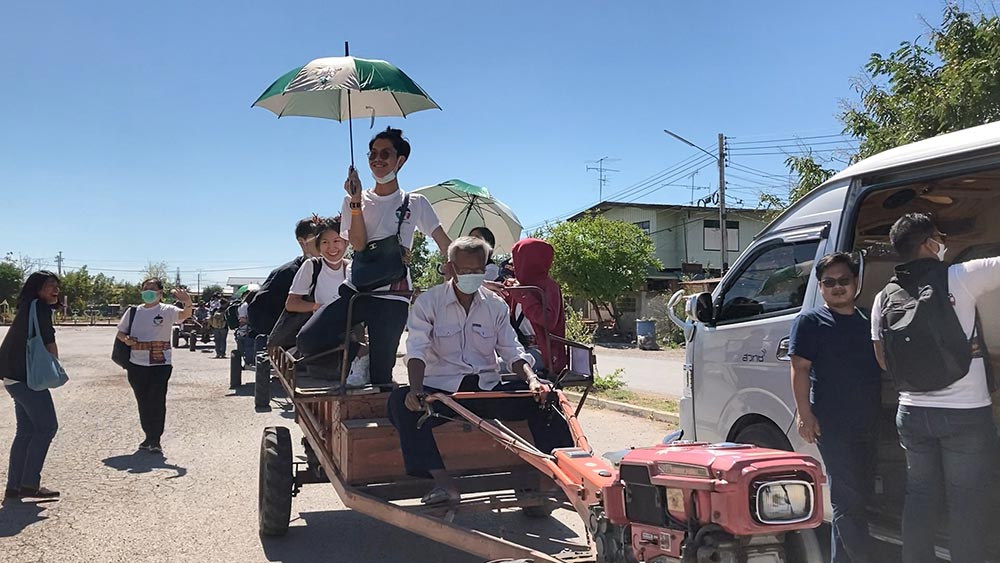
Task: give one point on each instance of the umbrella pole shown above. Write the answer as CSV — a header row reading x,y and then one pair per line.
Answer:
x,y
350,118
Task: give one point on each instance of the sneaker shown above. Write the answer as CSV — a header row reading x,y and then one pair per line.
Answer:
x,y
155,449
359,376
40,492
144,445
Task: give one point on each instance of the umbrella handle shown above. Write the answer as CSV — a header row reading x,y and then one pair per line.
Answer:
x,y
350,119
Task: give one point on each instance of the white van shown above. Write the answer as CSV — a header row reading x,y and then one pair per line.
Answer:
x,y
737,384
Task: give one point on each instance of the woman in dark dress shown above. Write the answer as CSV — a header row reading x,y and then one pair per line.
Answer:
x,y
34,411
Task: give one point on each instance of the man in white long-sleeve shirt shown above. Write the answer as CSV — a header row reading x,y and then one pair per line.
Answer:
x,y
456,331
947,430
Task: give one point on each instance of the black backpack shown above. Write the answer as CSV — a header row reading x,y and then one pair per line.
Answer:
x,y
925,346
233,316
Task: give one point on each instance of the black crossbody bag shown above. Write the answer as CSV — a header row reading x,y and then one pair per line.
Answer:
x,y
380,262
122,353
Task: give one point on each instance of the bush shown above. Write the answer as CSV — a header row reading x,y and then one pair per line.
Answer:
x,y
576,330
612,382
667,333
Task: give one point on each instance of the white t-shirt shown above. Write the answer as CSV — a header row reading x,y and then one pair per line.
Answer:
x,y
967,282
327,284
151,324
242,310
380,214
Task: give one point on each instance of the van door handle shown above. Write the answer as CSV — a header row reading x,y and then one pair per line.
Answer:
x,y
782,352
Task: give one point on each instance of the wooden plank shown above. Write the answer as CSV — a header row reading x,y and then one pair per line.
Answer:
x,y
370,450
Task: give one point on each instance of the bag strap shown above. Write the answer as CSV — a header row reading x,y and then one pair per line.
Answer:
x,y
33,320
402,213
131,319
317,268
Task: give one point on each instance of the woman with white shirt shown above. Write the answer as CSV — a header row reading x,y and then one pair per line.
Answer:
x,y
331,247
368,216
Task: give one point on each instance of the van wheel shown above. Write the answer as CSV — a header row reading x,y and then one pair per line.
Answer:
x,y
763,435
275,481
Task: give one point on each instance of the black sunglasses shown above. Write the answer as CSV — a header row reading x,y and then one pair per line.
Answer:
x,y
834,282
383,154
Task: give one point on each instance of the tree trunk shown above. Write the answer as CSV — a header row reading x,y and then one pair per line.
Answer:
x,y
597,309
617,316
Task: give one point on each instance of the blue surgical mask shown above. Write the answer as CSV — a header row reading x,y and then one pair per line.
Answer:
x,y
149,296
469,283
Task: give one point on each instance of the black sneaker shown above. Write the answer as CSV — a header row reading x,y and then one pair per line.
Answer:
x,y
144,445
155,449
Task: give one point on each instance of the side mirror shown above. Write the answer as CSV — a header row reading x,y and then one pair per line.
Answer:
x,y
701,308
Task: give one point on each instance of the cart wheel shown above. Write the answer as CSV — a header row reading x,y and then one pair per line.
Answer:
x,y
274,500
175,337
192,341
262,383
540,511
235,371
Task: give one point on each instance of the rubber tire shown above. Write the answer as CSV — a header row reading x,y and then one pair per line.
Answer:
x,y
275,480
175,337
262,384
802,546
235,371
763,435
192,341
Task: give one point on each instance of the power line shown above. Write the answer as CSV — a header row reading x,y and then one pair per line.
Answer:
x,y
808,137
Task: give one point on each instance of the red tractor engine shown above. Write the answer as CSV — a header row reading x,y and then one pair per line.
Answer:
x,y
700,503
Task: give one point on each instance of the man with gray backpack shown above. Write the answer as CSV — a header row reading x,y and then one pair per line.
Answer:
x,y
925,332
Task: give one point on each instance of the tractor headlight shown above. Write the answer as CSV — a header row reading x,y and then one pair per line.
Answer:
x,y
784,502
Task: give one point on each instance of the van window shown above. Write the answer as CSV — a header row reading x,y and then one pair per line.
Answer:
x,y
773,281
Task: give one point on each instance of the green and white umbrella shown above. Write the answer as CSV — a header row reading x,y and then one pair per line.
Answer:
x,y
345,88
462,207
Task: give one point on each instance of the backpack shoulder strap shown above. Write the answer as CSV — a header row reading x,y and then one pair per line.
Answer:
x,y
402,212
317,264
131,319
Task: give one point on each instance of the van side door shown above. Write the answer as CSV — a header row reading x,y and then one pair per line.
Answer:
x,y
744,368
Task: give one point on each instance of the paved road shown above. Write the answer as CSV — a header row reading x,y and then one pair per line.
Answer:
x,y
658,371
199,502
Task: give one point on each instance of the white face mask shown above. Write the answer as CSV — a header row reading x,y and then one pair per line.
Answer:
x,y
469,283
942,249
388,177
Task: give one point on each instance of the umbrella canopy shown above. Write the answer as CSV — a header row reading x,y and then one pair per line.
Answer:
x,y
462,206
343,88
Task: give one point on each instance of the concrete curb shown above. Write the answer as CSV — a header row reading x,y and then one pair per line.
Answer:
x,y
624,408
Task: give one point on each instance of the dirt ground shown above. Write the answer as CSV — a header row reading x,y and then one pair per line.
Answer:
x,y
199,501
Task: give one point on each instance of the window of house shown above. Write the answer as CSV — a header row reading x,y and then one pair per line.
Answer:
x,y
644,225
773,281
627,305
713,241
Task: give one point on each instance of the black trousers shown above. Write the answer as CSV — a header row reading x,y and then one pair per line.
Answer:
x,y
149,383
420,451
384,318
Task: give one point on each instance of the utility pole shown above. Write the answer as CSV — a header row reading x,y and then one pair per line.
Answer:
x,y
601,177
199,282
722,203
177,281
59,261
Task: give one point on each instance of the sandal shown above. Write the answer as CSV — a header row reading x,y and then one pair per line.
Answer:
x,y
440,495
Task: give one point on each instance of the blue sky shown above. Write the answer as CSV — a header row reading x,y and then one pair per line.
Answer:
x,y
127,134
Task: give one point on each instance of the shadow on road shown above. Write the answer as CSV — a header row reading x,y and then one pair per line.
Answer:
x,y
16,515
326,536
143,462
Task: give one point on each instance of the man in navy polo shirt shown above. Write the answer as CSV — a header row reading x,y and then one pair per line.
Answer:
x,y
836,379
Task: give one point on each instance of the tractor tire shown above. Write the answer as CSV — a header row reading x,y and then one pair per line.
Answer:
x,y
235,371
262,384
803,546
192,341
275,481
175,337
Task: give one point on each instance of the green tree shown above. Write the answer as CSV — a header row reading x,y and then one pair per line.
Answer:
x,y
208,292
11,279
926,87
601,260
77,289
104,290
943,82
420,256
